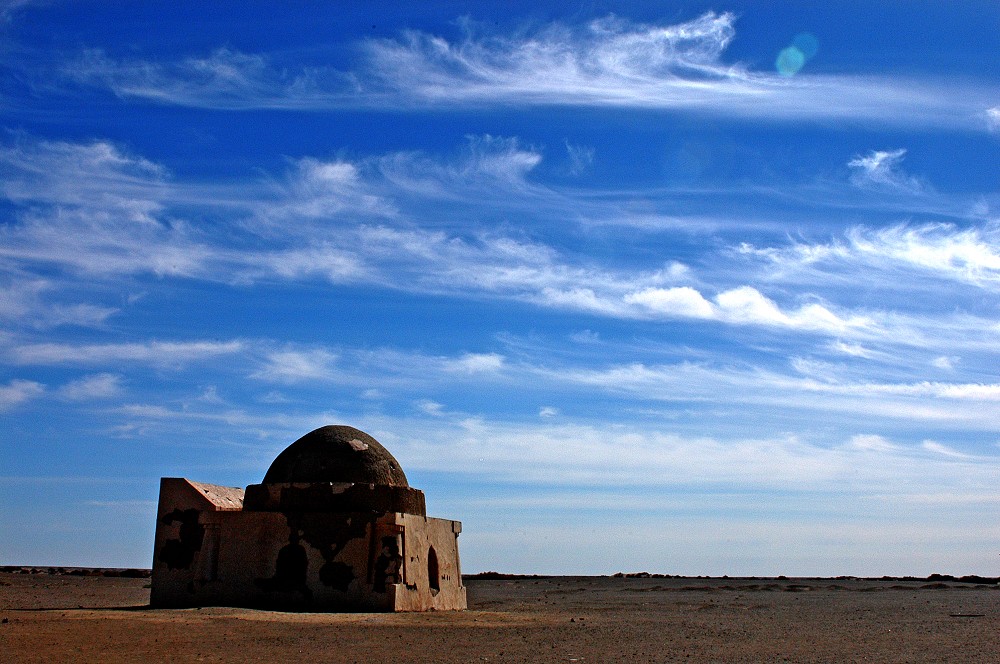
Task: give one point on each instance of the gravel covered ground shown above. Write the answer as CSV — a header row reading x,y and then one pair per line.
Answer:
x,y
59,617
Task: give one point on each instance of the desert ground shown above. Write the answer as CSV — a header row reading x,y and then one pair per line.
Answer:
x,y
48,616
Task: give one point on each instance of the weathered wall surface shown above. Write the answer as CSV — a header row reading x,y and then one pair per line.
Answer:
x,y
209,552
433,576
189,521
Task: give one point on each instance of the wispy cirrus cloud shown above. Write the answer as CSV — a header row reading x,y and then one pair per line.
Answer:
x,y
842,390
291,365
581,158
476,363
970,255
17,392
489,167
880,169
614,62
949,404
943,450
95,172
97,386
940,251
607,62
845,397
550,451
93,208
853,350
579,454
429,407
682,381
24,300
946,362
224,79
872,443
318,189
96,210
151,352
993,118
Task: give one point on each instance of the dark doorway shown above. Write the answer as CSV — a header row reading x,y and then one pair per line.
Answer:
x,y
433,578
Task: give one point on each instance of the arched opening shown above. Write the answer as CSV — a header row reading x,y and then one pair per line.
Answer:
x,y
433,577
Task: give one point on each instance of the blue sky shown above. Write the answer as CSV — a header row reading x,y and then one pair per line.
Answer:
x,y
692,288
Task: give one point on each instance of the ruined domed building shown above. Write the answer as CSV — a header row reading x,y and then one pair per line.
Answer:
x,y
333,526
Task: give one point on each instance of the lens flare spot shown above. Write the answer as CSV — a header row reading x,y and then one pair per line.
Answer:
x,y
790,61
807,43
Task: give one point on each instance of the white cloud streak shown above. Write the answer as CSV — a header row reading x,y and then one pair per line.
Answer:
x,y
607,62
970,405
432,408
224,79
17,392
23,301
943,450
581,158
94,209
152,352
744,305
97,386
575,454
937,250
971,255
476,363
881,170
839,392
294,366
993,118
489,168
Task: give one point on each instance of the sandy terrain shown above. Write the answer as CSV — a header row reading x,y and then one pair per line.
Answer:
x,y
46,618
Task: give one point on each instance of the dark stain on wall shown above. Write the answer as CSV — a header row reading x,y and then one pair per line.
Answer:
x,y
336,575
289,570
329,534
179,553
387,565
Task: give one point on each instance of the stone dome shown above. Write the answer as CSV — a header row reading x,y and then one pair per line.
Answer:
x,y
336,454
